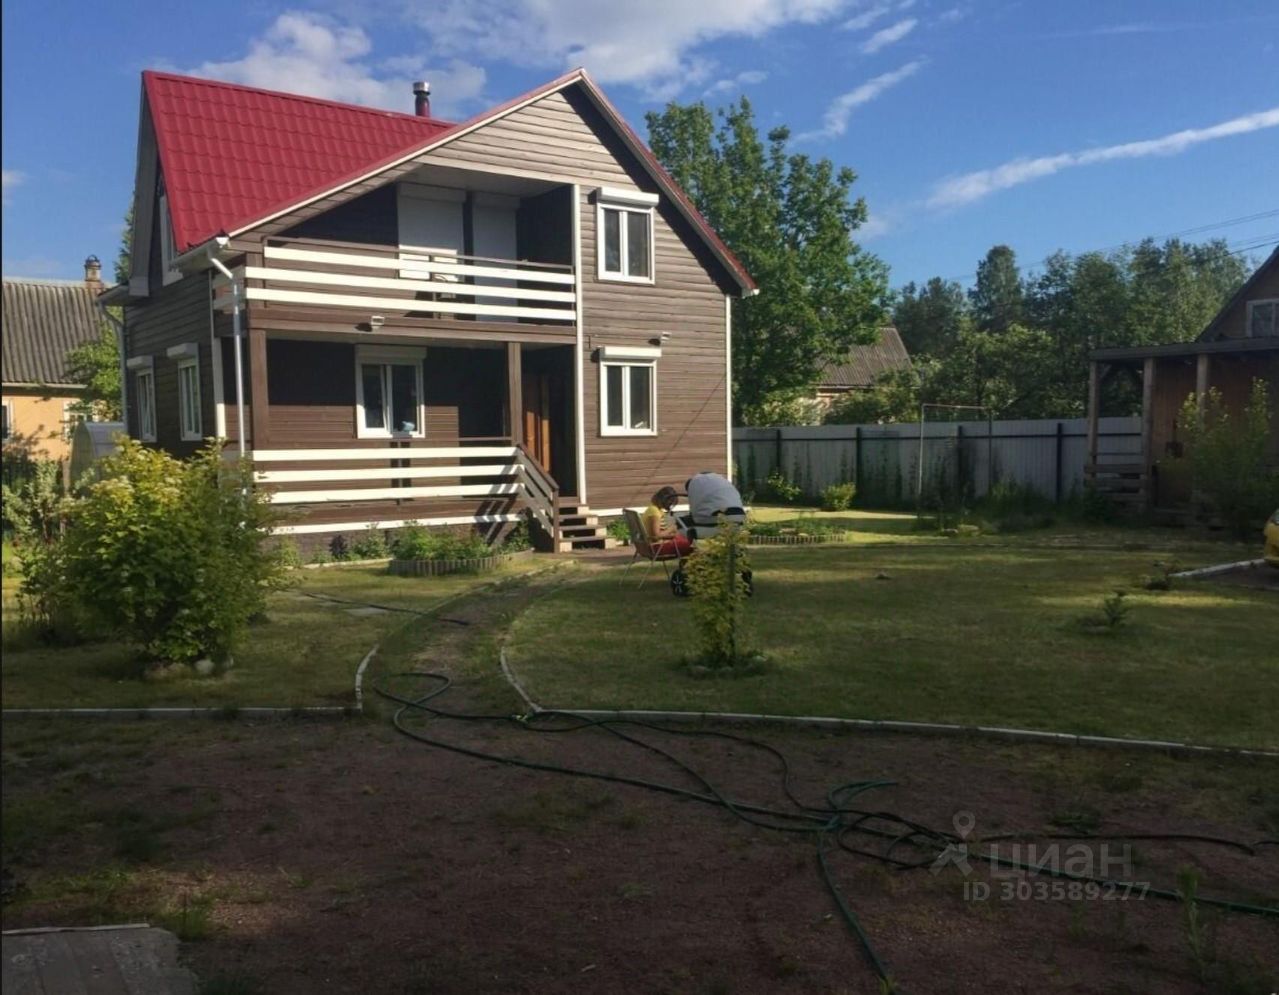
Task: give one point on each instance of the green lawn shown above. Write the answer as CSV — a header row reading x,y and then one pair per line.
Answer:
x,y
304,653
968,633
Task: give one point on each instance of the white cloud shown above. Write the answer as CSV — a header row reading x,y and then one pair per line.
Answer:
x,y
889,35
865,19
969,187
748,78
835,120
651,45
952,15
316,55
10,178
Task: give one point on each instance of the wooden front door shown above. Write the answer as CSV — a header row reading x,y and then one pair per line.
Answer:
x,y
536,388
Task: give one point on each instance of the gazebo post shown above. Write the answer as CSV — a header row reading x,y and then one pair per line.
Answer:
x,y
1094,406
1147,432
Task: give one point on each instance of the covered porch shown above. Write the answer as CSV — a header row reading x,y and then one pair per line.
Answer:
x,y
377,430
1158,479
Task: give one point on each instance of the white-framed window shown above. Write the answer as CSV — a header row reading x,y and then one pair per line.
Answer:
x,y
168,248
8,419
628,397
388,393
189,399
144,385
624,229
1263,319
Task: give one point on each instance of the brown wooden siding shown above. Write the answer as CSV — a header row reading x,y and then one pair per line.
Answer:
x,y
171,316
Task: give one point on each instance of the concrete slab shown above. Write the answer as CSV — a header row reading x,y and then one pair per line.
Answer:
x,y
366,612
99,960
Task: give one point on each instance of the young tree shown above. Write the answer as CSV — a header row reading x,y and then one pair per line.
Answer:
x,y
96,364
997,296
791,221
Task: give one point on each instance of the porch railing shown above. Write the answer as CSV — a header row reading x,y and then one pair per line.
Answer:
x,y
404,281
503,480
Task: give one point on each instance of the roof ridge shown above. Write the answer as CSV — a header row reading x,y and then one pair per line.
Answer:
x,y
47,281
284,94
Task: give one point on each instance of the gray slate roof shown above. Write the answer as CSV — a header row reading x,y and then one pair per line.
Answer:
x,y
865,363
42,321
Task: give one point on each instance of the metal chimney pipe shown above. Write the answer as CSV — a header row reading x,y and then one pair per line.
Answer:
x,y
422,98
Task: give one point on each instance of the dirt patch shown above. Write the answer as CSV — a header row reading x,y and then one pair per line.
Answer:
x,y
342,857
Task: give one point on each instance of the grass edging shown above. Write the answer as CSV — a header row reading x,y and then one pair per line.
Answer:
x,y
880,725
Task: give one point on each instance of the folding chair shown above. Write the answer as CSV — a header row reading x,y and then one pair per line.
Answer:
x,y
644,548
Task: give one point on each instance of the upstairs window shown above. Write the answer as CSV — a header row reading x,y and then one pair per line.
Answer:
x,y
1263,319
168,249
145,384
388,394
625,229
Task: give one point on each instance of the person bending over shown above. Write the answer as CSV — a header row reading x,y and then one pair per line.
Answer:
x,y
659,525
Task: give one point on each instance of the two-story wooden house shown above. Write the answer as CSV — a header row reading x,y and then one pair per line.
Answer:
x,y
454,324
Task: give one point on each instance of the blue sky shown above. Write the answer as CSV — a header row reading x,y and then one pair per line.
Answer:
x,y
1040,124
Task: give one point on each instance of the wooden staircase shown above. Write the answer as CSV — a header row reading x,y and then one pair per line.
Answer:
x,y
580,529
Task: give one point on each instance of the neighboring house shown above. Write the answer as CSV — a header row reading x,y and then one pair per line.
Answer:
x,y
454,324
1239,345
43,320
863,366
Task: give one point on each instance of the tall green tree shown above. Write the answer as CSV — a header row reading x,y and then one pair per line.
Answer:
x,y
96,364
997,298
928,318
790,219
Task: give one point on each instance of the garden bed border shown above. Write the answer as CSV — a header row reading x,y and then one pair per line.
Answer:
x,y
434,568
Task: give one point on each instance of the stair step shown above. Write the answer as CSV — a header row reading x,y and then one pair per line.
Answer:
x,y
575,520
570,544
582,530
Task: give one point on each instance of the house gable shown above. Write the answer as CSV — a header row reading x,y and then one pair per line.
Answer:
x,y
1231,321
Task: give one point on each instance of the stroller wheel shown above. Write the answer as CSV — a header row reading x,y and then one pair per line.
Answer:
x,y
679,583
748,580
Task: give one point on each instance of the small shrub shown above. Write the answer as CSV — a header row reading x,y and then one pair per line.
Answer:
x,y
779,488
719,590
838,497
517,540
33,503
619,530
415,542
289,553
1162,578
1115,609
371,545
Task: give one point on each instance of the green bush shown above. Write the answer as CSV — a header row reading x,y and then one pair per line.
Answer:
x,y
370,546
838,497
517,540
779,488
170,555
416,542
619,530
719,596
1229,456
33,501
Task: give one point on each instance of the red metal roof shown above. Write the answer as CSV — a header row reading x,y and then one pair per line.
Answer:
x,y
229,153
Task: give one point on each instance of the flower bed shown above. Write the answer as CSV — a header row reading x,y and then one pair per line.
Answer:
x,y
798,538
431,568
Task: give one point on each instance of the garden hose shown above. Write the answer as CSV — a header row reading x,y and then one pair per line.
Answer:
x,y
836,820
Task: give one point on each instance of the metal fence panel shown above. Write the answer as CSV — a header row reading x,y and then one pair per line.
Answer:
x,y
1047,455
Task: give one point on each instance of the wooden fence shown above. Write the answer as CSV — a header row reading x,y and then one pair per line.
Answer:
x,y
1047,455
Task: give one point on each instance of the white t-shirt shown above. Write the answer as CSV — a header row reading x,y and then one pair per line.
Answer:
x,y
709,494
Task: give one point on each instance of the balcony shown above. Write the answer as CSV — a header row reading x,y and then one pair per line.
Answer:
x,y
402,284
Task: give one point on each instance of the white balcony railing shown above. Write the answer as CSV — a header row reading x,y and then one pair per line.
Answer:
x,y
405,281
502,477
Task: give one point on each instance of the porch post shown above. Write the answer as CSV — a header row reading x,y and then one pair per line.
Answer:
x,y
1094,406
514,391
259,409
1202,369
1147,431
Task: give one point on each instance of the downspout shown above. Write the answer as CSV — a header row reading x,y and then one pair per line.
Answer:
x,y
239,350
118,325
